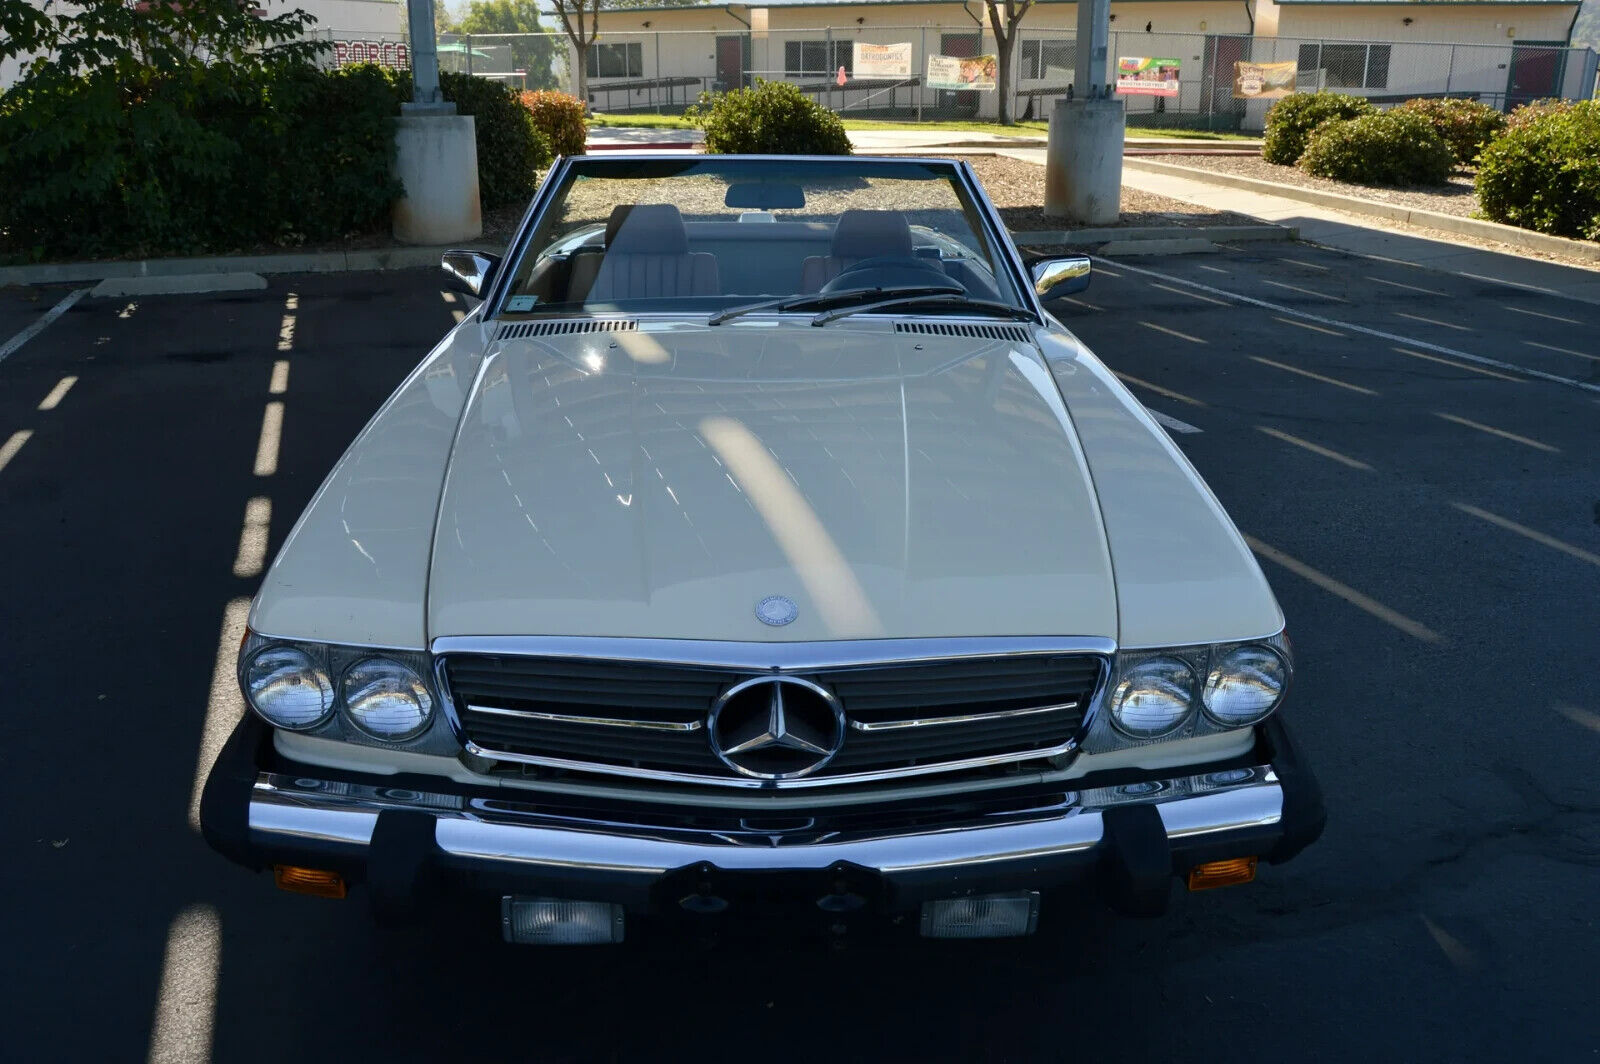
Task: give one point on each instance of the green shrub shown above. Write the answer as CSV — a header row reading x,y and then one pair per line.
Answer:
x,y
511,150
561,118
1293,119
1385,148
774,118
1465,125
1535,110
1543,173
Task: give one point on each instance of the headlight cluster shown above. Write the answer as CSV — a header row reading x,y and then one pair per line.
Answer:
x,y
1158,694
303,688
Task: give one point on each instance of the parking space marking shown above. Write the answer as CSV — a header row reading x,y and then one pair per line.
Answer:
x,y
1308,265
1460,365
459,315
448,297
9,450
1314,448
1349,594
280,377
1168,392
186,1003
1530,533
1313,328
1579,716
1169,422
1452,947
44,320
1314,376
1502,433
1408,287
1212,269
1171,332
1540,314
1562,350
224,704
1433,321
1365,330
271,435
1303,291
291,305
58,393
127,311
1108,273
252,554
1191,295
1084,303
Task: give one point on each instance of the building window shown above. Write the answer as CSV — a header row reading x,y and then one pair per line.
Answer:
x,y
817,57
1041,59
1348,66
616,60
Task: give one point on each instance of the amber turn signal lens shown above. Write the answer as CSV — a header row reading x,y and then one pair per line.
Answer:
x,y
1222,873
309,881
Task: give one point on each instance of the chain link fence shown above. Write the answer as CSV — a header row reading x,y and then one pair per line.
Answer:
x,y
664,72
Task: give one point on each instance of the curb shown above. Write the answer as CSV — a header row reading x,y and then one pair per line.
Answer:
x,y
1449,223
294,262
1212,234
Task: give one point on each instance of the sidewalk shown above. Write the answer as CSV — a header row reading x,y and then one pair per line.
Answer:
x,y
1369,236
902,141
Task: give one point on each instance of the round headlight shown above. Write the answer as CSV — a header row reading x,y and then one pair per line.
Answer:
x,y
1153,698
286,687
386,699
1245,686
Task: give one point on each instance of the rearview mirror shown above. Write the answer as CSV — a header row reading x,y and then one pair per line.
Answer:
x,y
470,270
1053,278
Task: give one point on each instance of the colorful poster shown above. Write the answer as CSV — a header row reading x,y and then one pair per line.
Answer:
x,y
1138,76
958,72
1263,81
881,60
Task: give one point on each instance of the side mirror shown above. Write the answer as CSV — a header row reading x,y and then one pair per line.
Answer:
x,y
1053,278
470,270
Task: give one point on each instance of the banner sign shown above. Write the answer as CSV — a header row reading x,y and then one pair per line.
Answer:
x,y
1263,81
957,72
392,54
881,60
1138,76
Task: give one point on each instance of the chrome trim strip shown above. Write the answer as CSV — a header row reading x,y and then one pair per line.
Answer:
x,y
774,656
970,718
525,833
607,722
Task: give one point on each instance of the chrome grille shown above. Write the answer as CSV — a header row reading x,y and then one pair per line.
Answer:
x,y
647,718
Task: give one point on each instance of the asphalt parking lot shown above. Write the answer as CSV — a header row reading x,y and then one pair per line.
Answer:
x,y
1414,455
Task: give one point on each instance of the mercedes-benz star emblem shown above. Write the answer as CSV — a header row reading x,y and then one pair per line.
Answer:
x,y
776,610
776,727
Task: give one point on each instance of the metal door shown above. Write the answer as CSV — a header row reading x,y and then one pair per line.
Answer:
x,y
730,62
1536,69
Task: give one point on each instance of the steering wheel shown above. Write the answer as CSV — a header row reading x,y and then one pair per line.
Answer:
x,y
893,271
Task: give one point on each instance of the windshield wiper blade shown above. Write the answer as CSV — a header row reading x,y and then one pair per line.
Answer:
x,y
820,300
942,300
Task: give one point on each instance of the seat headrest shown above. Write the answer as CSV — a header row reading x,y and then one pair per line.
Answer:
x,y
647,229
869,234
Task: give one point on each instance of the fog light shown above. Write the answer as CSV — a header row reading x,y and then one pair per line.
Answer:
x,y
558,922
1222,873
983,916
313,881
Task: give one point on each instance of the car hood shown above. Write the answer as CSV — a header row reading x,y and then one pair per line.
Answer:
x,y
666,481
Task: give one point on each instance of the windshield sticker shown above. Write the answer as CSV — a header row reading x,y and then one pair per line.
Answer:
x,y
517,304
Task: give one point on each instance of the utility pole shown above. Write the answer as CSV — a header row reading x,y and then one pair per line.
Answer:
x,y
1083,160
436,150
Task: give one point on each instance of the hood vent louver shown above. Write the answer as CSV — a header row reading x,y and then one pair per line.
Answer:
x,y
518,330
1015,333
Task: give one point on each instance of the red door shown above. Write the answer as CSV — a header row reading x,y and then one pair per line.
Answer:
x,y
730,63
1535,72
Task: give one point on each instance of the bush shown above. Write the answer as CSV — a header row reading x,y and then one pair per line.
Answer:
x,y
1385,148
1465,125
1543,173
511,150
774,118
1532,112
561,118
1293,119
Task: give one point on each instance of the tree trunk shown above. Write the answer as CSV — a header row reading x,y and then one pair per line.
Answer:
x,y
1003,49
580,71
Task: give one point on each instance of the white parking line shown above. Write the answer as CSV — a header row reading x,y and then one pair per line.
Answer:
x,y
9,450
1191,295
186,1002
291,304
1309,265
252,554
1433,321
58,393
280,377
271,435
1348,593
1502,433
1213,269
1336,382
1407,287
1531,533
1314,448
1170,422
1172,332
1579,716
1460,365
39,326
1168,392
1363,329
1541,314
1562,350
1313,328
1303,291
225,705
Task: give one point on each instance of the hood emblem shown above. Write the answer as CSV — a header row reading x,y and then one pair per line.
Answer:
x,y
776,727
776,610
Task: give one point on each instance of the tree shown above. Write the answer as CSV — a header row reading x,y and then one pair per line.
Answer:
x,y
1004,17
531,54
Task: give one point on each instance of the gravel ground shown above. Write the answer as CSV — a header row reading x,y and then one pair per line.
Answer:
x,y
1455,198
1017,189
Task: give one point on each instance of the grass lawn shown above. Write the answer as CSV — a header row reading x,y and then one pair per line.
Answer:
x,y
1020,129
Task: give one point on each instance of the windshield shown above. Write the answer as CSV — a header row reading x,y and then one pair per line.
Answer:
x,y
704,234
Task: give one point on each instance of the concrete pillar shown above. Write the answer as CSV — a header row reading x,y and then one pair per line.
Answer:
x,y
1083,161
436,160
